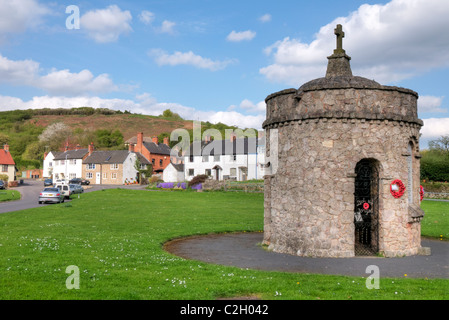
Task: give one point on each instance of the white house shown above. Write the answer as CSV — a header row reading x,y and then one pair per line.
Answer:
x,y
49,163
235,159
67,164
174,173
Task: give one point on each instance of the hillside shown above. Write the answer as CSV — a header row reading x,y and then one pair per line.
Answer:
x,y
24,130
128,124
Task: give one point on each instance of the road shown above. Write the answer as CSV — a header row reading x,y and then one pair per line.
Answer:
x,y
30,192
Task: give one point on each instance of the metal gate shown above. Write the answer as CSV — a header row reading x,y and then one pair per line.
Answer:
x,y
366,208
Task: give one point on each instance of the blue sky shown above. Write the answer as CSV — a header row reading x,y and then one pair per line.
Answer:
x,y
216,60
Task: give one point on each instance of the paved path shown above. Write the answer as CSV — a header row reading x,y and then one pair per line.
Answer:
x,y
30,189
243,250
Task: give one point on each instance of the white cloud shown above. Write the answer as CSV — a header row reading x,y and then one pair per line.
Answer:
x,y
59,82
430,104
387,43
65,82
146,17
18,72
106,25
435,128
167,27
241,36
249,106
265,18
187,58
19,15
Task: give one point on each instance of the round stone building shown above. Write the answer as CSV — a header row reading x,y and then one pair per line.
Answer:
x,y
342,172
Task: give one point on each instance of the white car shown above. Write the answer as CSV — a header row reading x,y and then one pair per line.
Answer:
x,y
66,191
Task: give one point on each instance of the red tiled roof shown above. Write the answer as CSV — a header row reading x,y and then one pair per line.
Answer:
x,y
5,157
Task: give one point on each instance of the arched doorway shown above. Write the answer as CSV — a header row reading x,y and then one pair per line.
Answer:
x,y
366,207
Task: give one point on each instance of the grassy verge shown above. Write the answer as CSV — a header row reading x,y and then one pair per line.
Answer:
x,y
436,220
8,195
115,238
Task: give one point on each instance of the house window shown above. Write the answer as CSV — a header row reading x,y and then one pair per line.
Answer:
x,y
4,168
114,175
191,172
160,162
90,166
191,158
89,175
50,164
105,175
153,161
73,162
232,157
233,172
62,162
209,172
72,175
205,158
114,166
217,158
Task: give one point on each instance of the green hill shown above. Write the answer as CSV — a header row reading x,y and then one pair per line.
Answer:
x,y
23,130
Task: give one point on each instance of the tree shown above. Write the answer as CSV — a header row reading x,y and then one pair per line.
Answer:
x,y
108,138
55,135
144,174
440,144
170,115
4,139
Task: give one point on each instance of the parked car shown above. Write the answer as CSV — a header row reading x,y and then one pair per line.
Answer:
x,y
65,190
51,195
48,182
2,185
79,181
76,188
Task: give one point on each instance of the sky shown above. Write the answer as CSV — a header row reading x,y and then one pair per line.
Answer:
x,y
213,60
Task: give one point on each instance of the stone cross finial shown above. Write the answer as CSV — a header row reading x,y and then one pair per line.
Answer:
x,y
339,62
340,35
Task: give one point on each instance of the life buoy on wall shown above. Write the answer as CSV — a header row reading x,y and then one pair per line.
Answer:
x,y
421,192
397,188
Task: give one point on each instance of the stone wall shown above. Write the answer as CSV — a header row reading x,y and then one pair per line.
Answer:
x,y
323,130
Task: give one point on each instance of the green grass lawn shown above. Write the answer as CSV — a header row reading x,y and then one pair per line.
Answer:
x,y
436,220
115,238
8,195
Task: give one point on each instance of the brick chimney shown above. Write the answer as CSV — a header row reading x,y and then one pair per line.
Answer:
x,y
6,147
45,155
66,147
154,139
138,147
77,147
91,148
131,147
166,142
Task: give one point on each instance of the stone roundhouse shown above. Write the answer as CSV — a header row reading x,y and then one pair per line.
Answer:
x,y
342,167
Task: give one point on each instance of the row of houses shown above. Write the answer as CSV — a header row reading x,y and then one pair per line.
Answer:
x,y
237,159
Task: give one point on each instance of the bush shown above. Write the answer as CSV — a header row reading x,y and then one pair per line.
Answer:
x,y
198,179
434,166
